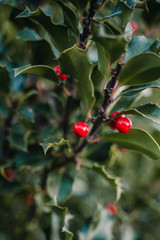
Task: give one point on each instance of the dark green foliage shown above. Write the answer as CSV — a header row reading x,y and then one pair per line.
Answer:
x,y
54,185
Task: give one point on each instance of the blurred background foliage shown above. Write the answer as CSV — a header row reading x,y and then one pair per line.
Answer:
x,y
31,110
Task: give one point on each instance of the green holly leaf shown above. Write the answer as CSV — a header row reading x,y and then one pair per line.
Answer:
x,y
132,90
110,49
97,79
53,139
62,212
101,169
141,69
70,17
68,234
138,140
149,111
28,35
140,44
5,80
58,33
75,62
39,70
124,9
126,12
95,227
59,185
62,143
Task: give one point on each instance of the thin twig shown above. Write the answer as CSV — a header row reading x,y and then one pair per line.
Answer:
x,y
102,110
86,30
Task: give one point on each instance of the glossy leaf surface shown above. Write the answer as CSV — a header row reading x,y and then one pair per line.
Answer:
x,y
40,70
75,62
141,69
138,140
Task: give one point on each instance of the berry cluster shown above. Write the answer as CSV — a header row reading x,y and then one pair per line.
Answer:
x,y
58,71
121,123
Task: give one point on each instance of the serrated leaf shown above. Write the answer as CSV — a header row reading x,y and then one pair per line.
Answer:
x,y
75,62
40,70
62,212
68,234
70,18
132,90
141,69
58,33
149,111
122,8
61,143
138,140
100,169
140,44
5,80
28,35
110,50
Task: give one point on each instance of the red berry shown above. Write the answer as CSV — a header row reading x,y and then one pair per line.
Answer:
x,y
58,71
62,76
134,27
81,129
9,173
124,125
113,123
111,209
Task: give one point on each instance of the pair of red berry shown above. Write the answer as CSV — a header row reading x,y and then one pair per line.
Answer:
x,y
58,71
121,123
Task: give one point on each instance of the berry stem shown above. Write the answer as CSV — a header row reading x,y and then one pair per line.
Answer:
x,y
106,102
86,30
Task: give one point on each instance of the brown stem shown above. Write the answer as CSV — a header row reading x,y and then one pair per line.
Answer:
x,y
102,115
86,30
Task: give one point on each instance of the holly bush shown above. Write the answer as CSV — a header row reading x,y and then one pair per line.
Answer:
x,y
79,120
